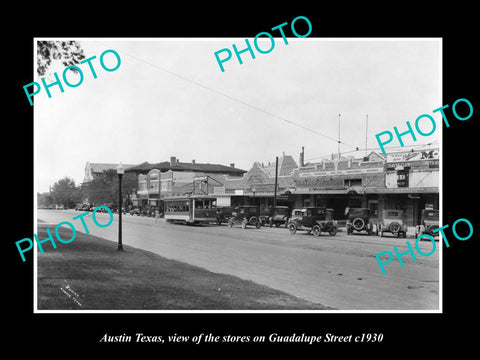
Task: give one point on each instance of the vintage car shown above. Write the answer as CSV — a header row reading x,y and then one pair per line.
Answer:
x,y
429,222
224,214
314,220
267,216
245,215
297,213
393,222
358,219
280,216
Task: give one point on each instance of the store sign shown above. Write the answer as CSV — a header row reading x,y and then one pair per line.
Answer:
x,y
398,165
413,155
219,190
262,188
402,178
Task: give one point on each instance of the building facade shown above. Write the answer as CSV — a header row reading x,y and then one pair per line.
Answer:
x,y
407,181
173,177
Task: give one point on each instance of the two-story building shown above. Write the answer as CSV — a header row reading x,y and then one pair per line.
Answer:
x,y
175,178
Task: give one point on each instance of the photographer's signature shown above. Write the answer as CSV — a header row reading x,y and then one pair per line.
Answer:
x,y
67,290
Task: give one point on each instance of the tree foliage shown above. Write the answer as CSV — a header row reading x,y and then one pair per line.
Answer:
x,y
69,52
103,190
65,192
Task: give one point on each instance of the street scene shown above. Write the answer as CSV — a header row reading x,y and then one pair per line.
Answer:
x,y
267,173
338,271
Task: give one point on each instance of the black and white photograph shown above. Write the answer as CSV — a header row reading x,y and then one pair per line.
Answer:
x,y
262,187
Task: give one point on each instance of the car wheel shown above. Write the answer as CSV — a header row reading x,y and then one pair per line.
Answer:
x,y
358,224
277,224
292,228
394,227
333,232
316,230
258,225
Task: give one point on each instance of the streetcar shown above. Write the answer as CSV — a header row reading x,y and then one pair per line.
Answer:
x,y
191,209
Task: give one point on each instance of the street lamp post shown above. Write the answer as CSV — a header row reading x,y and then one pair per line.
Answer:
x,y
120,171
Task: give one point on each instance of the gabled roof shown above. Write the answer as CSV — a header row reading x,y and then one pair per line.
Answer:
x,y
101,167
286,165
182,166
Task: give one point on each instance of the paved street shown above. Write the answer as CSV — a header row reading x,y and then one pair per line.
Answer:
x,y
339,271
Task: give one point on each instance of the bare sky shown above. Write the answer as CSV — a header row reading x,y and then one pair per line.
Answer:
x,y
169,98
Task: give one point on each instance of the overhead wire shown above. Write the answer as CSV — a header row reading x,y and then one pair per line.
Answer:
x,y
237,100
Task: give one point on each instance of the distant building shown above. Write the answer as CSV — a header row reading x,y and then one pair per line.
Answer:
x,y
94,170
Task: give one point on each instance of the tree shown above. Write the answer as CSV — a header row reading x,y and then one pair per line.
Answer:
x,y
104,189
65,192
69,52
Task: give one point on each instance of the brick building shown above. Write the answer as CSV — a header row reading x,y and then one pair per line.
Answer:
x,y
174,178
405,180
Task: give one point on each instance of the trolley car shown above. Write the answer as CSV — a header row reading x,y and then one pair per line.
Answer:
x,y
192,209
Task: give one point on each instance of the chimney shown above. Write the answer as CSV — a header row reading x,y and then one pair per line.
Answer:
x,y
193,161
232,165
302,157
173,160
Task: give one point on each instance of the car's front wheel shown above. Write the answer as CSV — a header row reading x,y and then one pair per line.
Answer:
x,y
292,228
316,230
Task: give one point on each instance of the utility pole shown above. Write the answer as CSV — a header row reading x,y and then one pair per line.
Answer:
x,y
275,190
338,137
366,135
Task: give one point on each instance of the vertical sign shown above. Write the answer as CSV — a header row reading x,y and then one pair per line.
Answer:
x,y
402,177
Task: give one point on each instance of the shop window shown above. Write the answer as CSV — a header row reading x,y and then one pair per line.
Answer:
x,y
352,182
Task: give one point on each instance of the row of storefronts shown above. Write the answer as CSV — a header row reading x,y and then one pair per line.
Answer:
x,y
407,181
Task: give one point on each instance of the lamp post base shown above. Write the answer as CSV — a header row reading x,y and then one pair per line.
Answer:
x,y
120,247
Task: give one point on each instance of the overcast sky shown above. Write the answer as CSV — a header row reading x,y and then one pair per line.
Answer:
x,y
169,98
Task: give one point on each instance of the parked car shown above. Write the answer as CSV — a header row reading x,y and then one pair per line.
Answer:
x,y
428,223
280,217
393,222
82,207
135,211
314,220
245,215
359,220
297,213
224,214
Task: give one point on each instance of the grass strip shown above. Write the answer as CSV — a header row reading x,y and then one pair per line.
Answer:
x,y
90,274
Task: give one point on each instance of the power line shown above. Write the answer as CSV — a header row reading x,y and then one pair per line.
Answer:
x,y
406,148
238,100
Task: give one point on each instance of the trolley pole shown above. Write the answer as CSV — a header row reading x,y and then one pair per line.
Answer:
x,y
275,190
